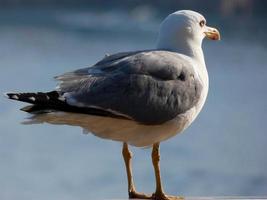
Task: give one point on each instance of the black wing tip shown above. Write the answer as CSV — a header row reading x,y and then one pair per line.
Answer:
x,y
25,97
26,108
11,95
34,109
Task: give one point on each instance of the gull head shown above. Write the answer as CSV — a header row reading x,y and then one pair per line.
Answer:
x,y
183,32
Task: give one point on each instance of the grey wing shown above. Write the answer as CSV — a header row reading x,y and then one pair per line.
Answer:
x,y
148,87
71,81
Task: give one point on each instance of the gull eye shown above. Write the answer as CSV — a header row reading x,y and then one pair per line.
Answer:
x,y
201,23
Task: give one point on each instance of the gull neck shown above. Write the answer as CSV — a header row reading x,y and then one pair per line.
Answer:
x,y
189,48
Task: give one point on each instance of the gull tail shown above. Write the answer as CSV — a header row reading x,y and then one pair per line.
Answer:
x,y
40,100
46,102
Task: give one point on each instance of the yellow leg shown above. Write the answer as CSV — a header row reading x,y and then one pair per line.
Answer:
x,y
159,193
127,155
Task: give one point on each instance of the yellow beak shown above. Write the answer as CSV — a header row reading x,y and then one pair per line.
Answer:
x,y
212,33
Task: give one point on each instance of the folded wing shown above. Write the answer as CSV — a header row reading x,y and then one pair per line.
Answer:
x,y
150,87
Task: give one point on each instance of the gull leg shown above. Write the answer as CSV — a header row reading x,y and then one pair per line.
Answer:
x,y
127,155
159,193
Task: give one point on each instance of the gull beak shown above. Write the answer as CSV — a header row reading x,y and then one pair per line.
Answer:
x,y
212,33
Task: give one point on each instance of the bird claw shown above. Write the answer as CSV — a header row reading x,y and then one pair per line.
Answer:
x,y
137,195
154,196
159,196
162,196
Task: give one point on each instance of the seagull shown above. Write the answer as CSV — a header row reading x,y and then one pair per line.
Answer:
x,y
139,98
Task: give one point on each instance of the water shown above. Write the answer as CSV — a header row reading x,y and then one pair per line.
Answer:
x,y
222,153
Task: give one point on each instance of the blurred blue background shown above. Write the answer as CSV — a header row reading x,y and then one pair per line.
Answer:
x,y
222,153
